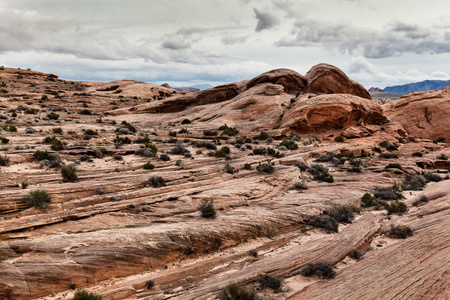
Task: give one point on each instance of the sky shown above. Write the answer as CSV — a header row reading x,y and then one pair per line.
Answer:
x,y
377,43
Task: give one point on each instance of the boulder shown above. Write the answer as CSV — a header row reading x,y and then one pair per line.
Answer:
x,y
328,79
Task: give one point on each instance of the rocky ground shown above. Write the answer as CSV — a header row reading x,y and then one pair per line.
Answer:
x,y
116,233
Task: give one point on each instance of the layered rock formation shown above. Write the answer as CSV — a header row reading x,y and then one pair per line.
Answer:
x,y
113,233
423,114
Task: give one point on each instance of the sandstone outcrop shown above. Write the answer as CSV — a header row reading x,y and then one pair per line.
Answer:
x,y
328,79
423,114
292,82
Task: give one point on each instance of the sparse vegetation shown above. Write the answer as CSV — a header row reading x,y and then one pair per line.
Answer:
x,y
388,145
387,193
396,207
289,144
53,116
301,186
229,169
226,130
164,157
266,167
322,269
400,231
339,139
207,209
325,222
156,181
421,201
85,295
235,291
394,166
4,160
269,281
37,198
69,173
148,166
320,173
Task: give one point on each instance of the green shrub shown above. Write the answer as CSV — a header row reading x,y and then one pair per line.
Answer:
x,y
164,157
37,198
85,112
156,181
207,210
149,284
57,130
209,132
53,116
234,291
272,152
388,145
92,132
223,152
325,222
368,200
422,200
148,166
396,207
320,173
266,167
41,155
229,169
226,130
269,281
339,139
4,91
300,186
387,193
259,151
418,154
322,269
57,145
69,173
263,135
4,160
12,128
400,231
185,121
288,143
388,155
85,295
413,182
4,140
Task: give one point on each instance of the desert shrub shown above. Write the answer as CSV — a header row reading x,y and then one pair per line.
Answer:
x,y
69,173
223,152
234,291
288,143
207,145
185,121
368,200
57,130
266,167
341,213
117,157
179,149
119,141
388,155
272,152
149,284
394,166
85,112
300,186
229,169
4,91
209,132
396,207
387,193
322,269
247,166
173,133
183,130
413,182
24,184
339,139
418,154
325,222
4,160
263,135
148,166
156,181
355,254
269,281
226,130
320,173
164,157
31,111
90,132
327,157
48,139
388,145
53,116
4,140
126,126
422,200
57,145
207,210
432,177
85,295
442,157
377,149
259,151
254,253
400,231
37,198
12,128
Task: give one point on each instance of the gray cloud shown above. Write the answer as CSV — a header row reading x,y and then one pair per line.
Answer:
x,y
232,40
265,20
390,41
175,44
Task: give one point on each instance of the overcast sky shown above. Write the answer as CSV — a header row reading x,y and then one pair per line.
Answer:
x,y
377,43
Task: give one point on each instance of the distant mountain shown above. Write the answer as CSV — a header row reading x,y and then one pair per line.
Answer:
x,y
203,86
374,89
194,88
426,85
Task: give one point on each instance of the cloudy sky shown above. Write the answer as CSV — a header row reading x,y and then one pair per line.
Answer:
x,y
376,42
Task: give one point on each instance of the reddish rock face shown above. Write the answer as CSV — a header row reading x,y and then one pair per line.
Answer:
x,y
328,79
423,114
291,81
328,112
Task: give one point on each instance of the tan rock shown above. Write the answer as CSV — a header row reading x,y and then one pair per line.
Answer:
x,y
291,81
352,132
